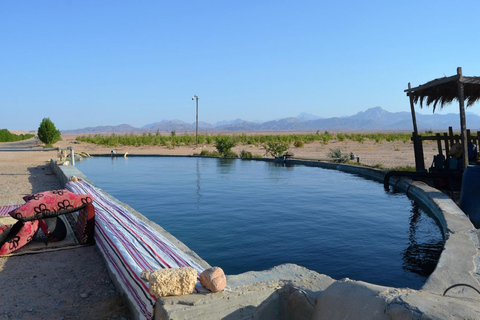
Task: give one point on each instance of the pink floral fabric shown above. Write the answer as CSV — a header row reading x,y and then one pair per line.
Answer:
x,y
24,236
50,204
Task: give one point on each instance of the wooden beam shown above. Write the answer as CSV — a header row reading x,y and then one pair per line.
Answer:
x,y
433,83
417,143
463,126
412,109
435,138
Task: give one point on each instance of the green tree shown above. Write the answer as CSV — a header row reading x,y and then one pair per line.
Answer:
x,y
47,133
275,148
224,144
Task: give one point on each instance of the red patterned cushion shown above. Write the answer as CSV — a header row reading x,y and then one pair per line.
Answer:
x,y
22,237
85,227
50,204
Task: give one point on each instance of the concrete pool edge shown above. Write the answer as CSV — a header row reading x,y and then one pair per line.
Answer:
x,y
290,291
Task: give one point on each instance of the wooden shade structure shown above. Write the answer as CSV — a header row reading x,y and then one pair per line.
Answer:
x,y
443,91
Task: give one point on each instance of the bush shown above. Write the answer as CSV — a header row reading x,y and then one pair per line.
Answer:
x,y
275,148
47,133
229,154
206,153
246,154
298,143
224,144
337,156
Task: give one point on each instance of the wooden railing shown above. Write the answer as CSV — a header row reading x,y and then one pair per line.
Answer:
x,y
445,143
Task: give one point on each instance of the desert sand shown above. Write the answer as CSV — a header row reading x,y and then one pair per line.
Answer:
x,y
384,154
74,284
67,284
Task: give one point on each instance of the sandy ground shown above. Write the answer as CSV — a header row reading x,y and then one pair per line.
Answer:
x,y
74,284
67,284
386,154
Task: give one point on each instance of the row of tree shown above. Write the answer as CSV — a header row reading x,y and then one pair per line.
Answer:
x,y
7,136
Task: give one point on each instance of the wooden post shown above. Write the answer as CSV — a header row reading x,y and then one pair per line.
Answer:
x,y
417,145
72,155
478,142
412,108
447,144
463,126
452,138
439,144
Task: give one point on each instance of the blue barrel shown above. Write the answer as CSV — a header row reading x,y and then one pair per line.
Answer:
x,y
470,194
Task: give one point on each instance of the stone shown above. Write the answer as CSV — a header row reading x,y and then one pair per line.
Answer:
x,y
213,279
171,282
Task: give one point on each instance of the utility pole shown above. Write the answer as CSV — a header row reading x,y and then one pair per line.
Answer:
x,y
196,126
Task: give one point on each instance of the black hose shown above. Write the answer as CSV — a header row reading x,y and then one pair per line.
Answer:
x,y
460,285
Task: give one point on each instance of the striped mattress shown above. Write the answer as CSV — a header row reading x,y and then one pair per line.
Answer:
x,y
130,246
6,209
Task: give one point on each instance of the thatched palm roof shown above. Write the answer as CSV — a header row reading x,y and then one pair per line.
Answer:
x,y
445,90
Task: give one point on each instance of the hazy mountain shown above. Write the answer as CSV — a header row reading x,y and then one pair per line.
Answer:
x,y
165,124
122,128
370,119
307,116
229,123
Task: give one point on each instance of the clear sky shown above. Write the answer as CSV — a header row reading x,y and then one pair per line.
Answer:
x,y
89,63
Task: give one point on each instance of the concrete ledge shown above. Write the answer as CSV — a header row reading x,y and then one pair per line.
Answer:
x,y
348,299
284,292
457,261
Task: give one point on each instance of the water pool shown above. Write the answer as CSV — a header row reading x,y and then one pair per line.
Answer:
x,y
252,215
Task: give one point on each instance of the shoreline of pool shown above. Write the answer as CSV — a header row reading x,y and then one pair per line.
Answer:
x,y
292,291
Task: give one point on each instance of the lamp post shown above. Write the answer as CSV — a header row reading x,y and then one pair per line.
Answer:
x,y
196,126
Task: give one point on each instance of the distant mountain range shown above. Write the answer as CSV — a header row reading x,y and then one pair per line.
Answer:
x,y
371,120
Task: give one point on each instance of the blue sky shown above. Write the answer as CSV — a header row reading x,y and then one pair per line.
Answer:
x,y
89,63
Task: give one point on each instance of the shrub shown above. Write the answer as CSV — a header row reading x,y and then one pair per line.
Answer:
x,y
229,154
337,156
298,143
224,144
206,153
275,148
246,154
47,133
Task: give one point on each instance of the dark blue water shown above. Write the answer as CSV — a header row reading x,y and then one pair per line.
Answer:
x,y
252,215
